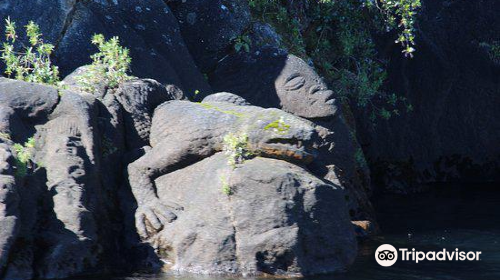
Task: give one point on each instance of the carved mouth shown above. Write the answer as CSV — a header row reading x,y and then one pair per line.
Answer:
x,y
294,142
330,98
293,149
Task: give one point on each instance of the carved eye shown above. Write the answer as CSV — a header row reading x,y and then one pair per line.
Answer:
x,y
294,82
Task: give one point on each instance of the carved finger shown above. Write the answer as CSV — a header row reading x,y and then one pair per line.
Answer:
x,y
153,220
140,225
165,214
174,206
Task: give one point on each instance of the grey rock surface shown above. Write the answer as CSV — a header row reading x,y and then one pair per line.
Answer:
x,y
23,105
265,215
209,27
279,219
226,97
63,218
139,98
184,132
9,205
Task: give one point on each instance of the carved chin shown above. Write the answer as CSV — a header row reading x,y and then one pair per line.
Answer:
x,y
311,109
317,112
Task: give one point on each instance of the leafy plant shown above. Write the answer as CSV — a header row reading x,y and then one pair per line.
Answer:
x,y
337,37
400,14
23,156
28,63
5,136
226,187
237,148
277,15
493,49
242,42
110,66
108,148
360,158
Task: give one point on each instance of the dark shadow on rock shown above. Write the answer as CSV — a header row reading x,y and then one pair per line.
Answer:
x,y
452,83
251,76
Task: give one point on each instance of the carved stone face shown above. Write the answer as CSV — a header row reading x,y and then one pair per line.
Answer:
x,y
303,92
272,78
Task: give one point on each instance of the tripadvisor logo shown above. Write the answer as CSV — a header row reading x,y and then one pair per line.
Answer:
x,y
387,255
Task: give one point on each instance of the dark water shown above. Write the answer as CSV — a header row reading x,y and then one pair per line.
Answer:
x,y
463,217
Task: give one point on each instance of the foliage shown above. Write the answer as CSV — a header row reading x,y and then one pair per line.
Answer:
x,y
493,49
24,154
242,42
337,37
360,158
276,14
237,148
4,136
226,187
400,14
31,63
110,66
108,147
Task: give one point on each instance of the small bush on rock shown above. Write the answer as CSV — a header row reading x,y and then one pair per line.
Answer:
x,y
242,42
401,14
28,63
493,50
110,66
226,187
4,136
236,147
24,154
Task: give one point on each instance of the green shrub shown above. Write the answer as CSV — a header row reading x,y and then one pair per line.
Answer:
x,y
226,187
236,147
110,66
337,38
360,158
28,63
23,156
400,14
108,147
242,42
277,15
5,136
493,49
